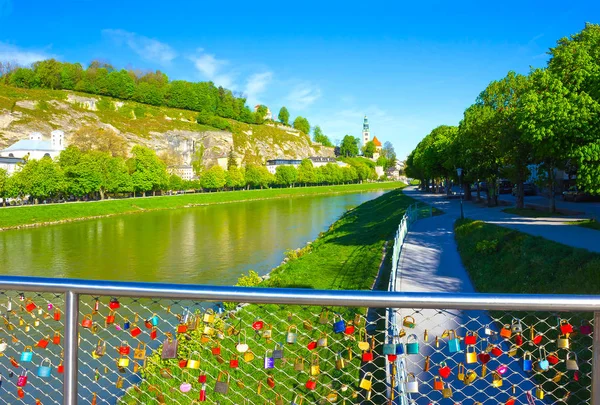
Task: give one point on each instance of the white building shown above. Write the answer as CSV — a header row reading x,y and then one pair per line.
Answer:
x,y
366,133
319,161
186,172
10,164
35,147
273,163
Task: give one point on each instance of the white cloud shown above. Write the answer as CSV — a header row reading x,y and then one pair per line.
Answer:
x,y
211,68
147,48
256,85
11,53
303,95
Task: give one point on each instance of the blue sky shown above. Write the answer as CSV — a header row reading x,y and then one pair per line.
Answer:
x,y
408,66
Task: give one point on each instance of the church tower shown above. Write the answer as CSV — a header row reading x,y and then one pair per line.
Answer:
x,y
366,134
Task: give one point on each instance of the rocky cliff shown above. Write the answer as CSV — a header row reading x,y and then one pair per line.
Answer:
x,y
163,129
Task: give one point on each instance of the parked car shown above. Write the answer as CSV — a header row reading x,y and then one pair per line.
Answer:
x,y
576,194
528,189
505,187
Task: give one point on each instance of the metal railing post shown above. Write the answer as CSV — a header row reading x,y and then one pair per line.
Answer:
x,y
596,361
71,348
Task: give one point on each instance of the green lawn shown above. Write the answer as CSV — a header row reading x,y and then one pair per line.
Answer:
x,y
529,212
18,216
501,260
346,256
588,223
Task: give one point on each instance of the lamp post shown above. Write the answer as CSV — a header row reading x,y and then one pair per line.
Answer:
x,y
459,172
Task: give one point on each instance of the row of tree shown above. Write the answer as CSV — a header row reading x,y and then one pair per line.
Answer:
x,y
94,174
549,118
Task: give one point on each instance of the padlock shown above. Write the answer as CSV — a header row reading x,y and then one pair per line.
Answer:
x,y
339,326
350,329
565,327
408,322
110,318
367,356
140,351
30,306
322,342
216,349
470,377
43,342
299,364
269,361
563,342
516,326
27,354
539,392
470,355
114,303
14,362
291,337
119,383
496,350
506,331
22,380
233,361
44,371
258,324
311,384
460,375
363,339
470,337
427,364
496,380
153,333
586,328
367,381
185,385
389,348
543,364
87,321
56,338
412,344
248,356
60,368
242,347
222,385
572,361
278,351
312,345
340,363
519,340
453,342
315,368
209,316
324,316
400,347
169,349
271,381
124,348
27,327
126,324
135,330
36,323
100,349
411,384
3,345
444,371
56,314
193,363
307,325
447,391
512,351
438,384
267,332
527,362
123,361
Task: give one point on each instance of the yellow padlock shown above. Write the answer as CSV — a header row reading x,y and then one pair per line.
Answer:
x,y
496,380
209,316
563,342
315,369
367,381
36,323
539,393
194,363
123,361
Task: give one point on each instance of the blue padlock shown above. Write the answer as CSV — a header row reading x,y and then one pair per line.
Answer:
x,y
400,348
339,326
453,342
45,371
389,348
27,354
126,324
412,344
527,362
154,320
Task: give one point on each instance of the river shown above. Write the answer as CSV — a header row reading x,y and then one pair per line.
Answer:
x,y
210,244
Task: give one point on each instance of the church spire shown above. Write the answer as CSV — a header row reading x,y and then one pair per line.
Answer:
x,y
366,133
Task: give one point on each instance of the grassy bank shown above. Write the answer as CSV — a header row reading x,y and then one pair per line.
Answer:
x,y
42,214
502,260
347,256
531,213
588,223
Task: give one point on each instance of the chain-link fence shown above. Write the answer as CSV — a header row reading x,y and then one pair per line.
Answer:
x,y
181,351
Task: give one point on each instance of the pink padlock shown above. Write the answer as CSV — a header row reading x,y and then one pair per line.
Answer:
x,y
22,380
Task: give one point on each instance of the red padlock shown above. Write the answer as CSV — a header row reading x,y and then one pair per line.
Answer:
x,y
538,339
20,393
444,371
22,380
30,306
510,401
61,368
57,314
43,342
585,328
202,396
148,324
135,330
110,318
87,321
153,333
182,328
519,340
552,358
216,351
311,384
183,363
124,349
114,303
470,338
565,327
350,329
312,345
202,378
367,356
14,362
392,357
56,338
258,324
496,351
484,357
271,381
234,363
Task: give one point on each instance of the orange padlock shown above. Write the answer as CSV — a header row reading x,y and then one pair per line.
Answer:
x,y
56,338
87,321
30,306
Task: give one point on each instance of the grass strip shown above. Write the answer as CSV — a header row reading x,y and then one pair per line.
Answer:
x,y
12,217
588,223
346,256
531,213
502,260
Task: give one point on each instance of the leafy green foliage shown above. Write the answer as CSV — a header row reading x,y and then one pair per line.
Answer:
x,y
301,124
148,172
235,178
258,176
284,116
286,175
320,137
213,178
349,146
369,149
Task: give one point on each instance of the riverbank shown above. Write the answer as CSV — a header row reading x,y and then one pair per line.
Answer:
x,y
347,256
42,215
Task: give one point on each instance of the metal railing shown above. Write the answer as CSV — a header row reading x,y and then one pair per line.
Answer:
x,y
159,310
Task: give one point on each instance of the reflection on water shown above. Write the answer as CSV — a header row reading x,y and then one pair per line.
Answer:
x,y
206,245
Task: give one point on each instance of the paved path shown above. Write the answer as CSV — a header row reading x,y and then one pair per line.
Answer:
x,y
550,228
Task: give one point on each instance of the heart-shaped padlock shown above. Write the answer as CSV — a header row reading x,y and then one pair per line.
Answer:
x,y
444,371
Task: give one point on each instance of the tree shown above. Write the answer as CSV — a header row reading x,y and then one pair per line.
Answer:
x,y
286,175
390,154
3,186
306,172
369,149
198,160
261,112
81,174
231,162
114,174
213,178
170,157
321,138
284,116
349,146
92,137
40,179
235,178
148,172
48,73
258,176
175,183
301,124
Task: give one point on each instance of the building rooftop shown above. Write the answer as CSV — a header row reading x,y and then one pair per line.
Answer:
x,y
11,160
30,144
322,159
376,141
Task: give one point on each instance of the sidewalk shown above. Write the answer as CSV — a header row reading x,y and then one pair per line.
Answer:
x,y
550,228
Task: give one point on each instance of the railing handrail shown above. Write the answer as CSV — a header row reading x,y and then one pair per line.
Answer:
x,y
295,296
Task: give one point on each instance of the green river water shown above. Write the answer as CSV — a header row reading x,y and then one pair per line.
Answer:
x,y
211,244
